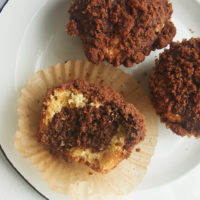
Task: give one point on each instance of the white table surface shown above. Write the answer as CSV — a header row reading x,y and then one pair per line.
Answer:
x,y
12,186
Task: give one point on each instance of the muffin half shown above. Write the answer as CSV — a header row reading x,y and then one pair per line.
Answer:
x,y
175,87
90,124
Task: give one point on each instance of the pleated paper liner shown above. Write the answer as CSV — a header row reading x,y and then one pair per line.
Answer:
x,y
77,180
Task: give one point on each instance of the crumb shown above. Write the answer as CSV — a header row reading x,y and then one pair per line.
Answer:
x,y
90,173
87,74
101,81
137,149
191,31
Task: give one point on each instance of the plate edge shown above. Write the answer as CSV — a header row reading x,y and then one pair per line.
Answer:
x,y
3,5
12,165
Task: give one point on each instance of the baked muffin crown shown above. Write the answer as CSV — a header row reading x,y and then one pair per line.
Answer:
x,y
121,31
175,87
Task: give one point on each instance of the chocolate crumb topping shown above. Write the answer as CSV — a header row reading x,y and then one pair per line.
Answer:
x,y
121,31
175,87
92,118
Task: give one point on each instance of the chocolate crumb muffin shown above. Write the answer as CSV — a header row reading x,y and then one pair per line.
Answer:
x,y
175,87
121,31
89,124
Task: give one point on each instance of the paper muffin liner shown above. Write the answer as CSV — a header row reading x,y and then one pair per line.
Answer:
x,y
74,179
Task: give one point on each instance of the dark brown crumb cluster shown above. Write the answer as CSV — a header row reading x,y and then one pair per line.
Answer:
x,y
121,31
175,87
88,126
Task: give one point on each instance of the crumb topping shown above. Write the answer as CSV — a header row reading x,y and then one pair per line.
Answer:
x,y
121,31
175,87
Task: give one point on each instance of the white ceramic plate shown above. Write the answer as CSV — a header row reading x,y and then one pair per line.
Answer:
x,y
32,37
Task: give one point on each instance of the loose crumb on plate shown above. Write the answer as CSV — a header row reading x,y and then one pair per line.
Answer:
x,y
137,149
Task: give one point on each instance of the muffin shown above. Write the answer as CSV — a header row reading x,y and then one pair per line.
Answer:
x,y
175,87
62,170
90,124
121,31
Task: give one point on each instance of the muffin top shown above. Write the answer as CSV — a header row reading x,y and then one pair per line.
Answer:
x,y
86,120
175,87
121,31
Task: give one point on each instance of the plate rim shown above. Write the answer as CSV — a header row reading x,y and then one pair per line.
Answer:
x,y
4,153
20,174
2,7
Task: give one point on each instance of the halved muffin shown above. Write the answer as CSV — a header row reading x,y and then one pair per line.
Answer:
x,y
90,124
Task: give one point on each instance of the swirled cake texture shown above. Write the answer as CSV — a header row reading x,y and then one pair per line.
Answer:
x,y
90,124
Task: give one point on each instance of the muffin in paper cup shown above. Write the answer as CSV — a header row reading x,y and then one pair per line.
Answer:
x,y
77,180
